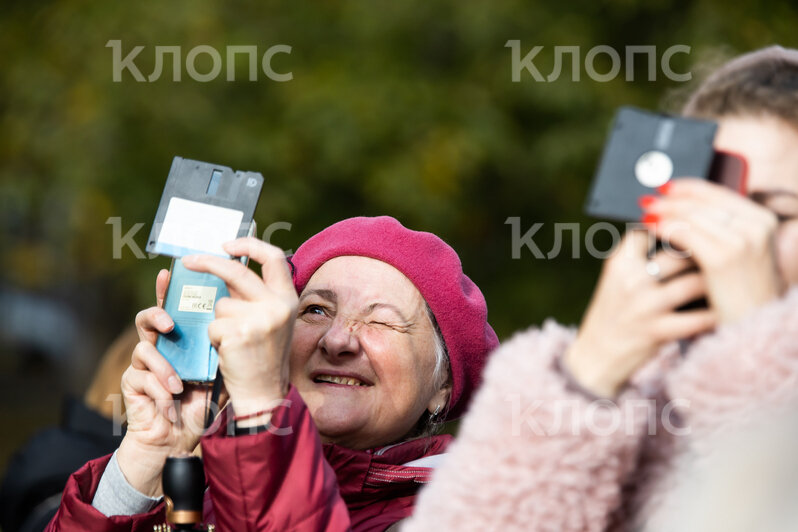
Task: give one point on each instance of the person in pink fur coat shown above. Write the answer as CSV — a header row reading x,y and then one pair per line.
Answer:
x,y
579,430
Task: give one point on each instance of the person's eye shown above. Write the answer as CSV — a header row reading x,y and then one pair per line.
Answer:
x,y
389,326
314,310
783,217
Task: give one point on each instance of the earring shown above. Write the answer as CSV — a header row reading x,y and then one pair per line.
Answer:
x,y
437,411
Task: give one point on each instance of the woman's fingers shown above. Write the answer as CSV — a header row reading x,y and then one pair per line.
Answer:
x,y
229,307
683,324
238,277
274,268
151,321
683,233
670,263
147,357
154,320
276,275
713,241
634,246
712,218
233,331
161,284
141,382
709,212
247,321
681,290
706,192
191,407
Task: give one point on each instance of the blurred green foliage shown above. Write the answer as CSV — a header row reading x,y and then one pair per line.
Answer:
x,y
401,108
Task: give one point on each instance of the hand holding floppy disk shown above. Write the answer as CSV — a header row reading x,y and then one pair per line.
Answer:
x,y
253,327
202,207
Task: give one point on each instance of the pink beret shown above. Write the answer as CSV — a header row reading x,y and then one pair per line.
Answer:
x,y
435,269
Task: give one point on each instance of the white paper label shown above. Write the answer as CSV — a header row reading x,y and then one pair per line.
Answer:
x,y
199,227
197,298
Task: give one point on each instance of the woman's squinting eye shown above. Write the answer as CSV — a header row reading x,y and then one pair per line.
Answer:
x,y
386,325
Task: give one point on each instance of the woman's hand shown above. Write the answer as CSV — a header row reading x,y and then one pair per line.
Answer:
x,y
731,238
633,313
253,328
163,416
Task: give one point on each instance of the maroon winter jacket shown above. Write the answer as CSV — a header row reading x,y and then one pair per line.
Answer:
x,y
268,481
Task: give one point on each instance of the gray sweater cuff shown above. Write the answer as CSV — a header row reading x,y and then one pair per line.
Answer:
x,y
115,495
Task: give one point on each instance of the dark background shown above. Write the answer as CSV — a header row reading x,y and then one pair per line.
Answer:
x,y
401,108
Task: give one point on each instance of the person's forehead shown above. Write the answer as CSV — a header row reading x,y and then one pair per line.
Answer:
x,y
769,145
365,281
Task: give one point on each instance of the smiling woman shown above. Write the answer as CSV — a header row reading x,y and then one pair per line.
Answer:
x,y
337,372
355,305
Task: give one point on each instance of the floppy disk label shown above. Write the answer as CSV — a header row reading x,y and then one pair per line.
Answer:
x,y
194,227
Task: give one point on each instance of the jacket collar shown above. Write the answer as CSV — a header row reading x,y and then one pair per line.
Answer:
x,y
383,472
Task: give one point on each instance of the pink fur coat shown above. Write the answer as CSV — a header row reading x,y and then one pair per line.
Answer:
x,y
536,453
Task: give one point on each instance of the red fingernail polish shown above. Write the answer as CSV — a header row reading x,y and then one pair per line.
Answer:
x,y
646,201
664,189
650,219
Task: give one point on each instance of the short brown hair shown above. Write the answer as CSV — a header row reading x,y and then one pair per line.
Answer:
x,y
764,82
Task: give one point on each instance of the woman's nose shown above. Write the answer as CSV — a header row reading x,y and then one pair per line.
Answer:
x,y
340,339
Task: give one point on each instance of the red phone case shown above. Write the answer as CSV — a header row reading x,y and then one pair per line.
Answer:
x,y
730,169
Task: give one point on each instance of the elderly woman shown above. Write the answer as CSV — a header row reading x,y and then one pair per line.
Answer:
x,y
335,378
578,430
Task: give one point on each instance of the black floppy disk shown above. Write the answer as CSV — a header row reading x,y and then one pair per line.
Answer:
x,y
645,150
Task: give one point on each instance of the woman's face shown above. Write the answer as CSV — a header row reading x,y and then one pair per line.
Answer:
x,y
363,353
770,146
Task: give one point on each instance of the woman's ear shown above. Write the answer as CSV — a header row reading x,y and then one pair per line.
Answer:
x,y
439,400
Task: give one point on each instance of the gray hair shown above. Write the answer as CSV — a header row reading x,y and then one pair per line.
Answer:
x,y
429,424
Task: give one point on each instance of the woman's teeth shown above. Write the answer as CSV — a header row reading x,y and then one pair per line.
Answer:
x,y
336,379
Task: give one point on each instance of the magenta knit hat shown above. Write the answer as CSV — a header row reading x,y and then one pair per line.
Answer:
x,y
435,270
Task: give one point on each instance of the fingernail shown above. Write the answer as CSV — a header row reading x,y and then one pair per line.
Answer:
x,y
646,201
189,259
175,386
171,413
650,219
164,322
664,189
